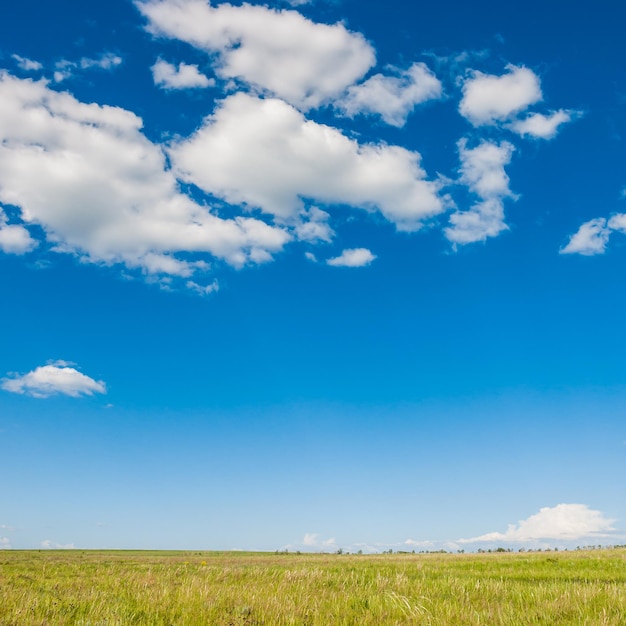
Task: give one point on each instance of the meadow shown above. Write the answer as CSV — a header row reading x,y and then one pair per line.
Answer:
x,y
117,588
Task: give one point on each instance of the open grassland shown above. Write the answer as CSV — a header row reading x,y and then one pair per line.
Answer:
x,y
191,588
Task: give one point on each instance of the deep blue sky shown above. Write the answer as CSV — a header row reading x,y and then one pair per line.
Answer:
x,y
436,393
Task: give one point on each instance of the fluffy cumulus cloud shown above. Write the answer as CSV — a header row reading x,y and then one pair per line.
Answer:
x,y
281,52
563,522
265,154
488,98
591,238
394,96
540,126
84,179
14,238
5,544
482,171
56,378
181,76
99,187
353,257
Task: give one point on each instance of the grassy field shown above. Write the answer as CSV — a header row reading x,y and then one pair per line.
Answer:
x,y
191,588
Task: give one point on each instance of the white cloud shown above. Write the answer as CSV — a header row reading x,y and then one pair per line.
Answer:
x,y
28,65
203,290
184,76
100,189
482,171
49,380
48,544
392,97
313,540
263,153
281,52
590,239
353,257
563,522
488,99
420,545
542,126
310,539
106,61
313,226
14,238
5,544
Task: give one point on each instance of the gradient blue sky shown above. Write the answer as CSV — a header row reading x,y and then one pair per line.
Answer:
x,y
356,285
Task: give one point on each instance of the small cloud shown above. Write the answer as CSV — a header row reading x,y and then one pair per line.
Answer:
x,y
352,257
28,65
590,239
311,257
394,96
310,539
47,544
183,76
482,171
15,239
203,290
5,544
49,380
488,99
563,522
314,226
107,61
539,126
419,545
313,540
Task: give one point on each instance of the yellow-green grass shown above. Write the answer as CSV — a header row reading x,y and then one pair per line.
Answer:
x,y
115,588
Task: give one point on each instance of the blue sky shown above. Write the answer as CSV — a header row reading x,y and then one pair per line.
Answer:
x,y
312,275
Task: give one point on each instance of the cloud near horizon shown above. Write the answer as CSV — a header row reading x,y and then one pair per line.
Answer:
x,y
563,522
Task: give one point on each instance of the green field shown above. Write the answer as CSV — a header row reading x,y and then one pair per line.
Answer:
x,y
93,588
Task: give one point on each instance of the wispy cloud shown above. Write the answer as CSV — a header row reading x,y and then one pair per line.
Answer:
x,y
48,544
106,61
28,65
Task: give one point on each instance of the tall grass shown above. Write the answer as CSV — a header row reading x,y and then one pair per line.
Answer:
x,y
186,589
